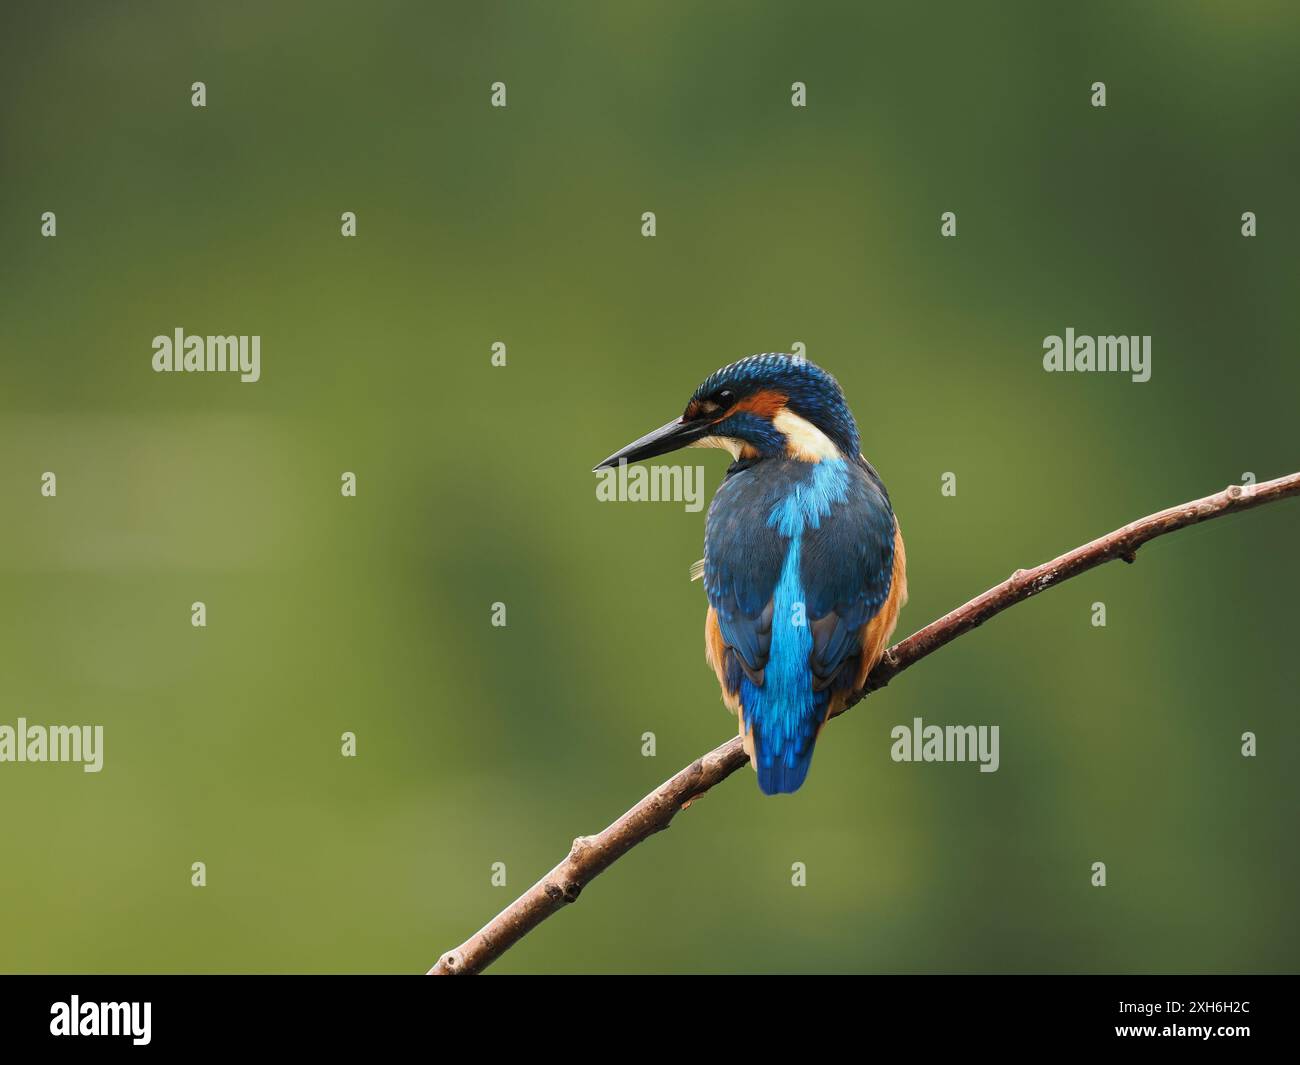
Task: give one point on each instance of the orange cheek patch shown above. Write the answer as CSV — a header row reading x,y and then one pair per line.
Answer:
x,y
765,404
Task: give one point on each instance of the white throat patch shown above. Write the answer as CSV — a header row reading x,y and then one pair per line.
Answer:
x,y
726,443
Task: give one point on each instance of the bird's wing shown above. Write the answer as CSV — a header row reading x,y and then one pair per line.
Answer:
x,y
846,570
742,563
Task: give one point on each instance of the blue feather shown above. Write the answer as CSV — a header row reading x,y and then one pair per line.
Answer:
x,y
785,712
790,542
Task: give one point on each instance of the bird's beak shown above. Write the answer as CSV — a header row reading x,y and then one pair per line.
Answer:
x,y
676,434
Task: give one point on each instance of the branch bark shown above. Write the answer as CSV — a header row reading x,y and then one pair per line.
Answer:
x,y
592,855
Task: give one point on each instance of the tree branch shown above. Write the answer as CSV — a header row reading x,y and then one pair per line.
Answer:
x,y
592,855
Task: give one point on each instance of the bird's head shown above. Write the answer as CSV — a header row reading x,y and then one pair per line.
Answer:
x,y
763,406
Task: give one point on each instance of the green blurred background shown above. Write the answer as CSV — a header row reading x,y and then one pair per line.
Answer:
x,y
775,225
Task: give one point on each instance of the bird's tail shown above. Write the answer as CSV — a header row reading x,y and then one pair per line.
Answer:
x,y
782,772
783,732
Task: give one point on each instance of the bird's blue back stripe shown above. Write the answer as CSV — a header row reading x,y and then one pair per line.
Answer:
x,y
785,712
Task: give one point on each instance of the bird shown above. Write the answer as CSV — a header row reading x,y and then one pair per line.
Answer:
x,y
804,566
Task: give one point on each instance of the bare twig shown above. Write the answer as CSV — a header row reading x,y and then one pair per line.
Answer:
x,y
592,855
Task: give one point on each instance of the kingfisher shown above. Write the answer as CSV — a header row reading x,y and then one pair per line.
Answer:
x,y
803,567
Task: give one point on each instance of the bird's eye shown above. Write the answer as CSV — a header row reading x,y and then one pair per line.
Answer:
x,y
725,398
